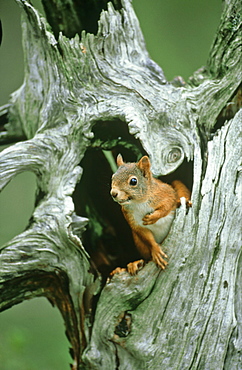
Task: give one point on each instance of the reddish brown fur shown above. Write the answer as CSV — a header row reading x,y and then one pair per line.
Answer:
x,y
150,199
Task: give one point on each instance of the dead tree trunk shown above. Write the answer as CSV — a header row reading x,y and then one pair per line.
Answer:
x,y
96,92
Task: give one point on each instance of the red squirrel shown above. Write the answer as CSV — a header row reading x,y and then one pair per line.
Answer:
x,y
148,205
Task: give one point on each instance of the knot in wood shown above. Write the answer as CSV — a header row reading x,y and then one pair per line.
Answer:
x,y
174,155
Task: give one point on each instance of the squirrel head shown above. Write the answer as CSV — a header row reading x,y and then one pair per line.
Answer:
x,y
131,182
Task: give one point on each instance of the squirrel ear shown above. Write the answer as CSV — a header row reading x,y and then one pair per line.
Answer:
x,y
144,165
120,161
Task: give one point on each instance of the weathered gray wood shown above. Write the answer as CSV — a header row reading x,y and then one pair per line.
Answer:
x,y
189,316
186,318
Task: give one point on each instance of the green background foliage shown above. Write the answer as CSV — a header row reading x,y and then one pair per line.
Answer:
x,y
178,37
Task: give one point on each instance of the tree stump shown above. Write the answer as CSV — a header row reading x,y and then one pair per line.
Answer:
x,y
87,95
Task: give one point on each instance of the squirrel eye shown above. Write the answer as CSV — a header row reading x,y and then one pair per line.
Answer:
x,y
133,181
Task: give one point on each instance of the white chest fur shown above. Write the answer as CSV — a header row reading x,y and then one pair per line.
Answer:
x,y
160,228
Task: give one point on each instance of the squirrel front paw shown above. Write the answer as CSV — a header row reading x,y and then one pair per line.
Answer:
x,y
150,219
184,201
117,271
159,260
134,267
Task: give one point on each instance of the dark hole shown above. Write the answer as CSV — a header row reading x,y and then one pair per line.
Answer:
x,y
114,135
108,238
124,326
183,173
72,20
229,111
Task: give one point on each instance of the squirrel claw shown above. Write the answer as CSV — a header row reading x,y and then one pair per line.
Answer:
x,y
134,267
189,203
117,271
159,261
184,201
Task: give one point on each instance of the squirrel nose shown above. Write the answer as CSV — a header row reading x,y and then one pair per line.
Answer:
x,y
114,193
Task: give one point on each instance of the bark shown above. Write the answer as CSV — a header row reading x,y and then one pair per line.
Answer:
x,y
101,91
